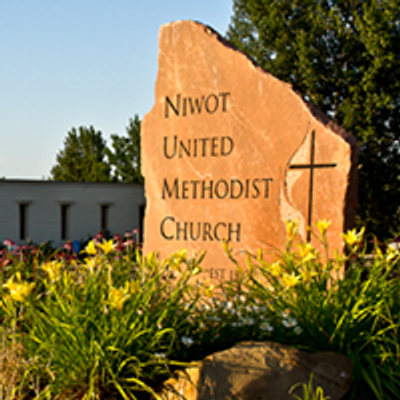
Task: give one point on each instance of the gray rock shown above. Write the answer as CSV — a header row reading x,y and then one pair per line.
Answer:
x,y
260,371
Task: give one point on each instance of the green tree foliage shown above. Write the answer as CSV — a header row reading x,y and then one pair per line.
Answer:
x,y
344,57
124,155
83,158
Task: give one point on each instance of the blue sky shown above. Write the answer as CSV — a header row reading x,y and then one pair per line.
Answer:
x,y
70,63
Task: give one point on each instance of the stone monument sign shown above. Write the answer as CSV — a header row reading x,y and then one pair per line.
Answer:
x,y
230,152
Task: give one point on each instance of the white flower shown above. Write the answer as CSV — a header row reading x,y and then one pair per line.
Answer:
x,y
204,307
187,341
298,330
160,355
266,327
213,318
248,321
289,322
229,305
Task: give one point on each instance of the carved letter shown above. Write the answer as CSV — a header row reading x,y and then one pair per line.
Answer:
x,y
231,231
185,189
208,189
166,145
214,146
170,193
192,236
163,234
179,230
207,231
185,149
230,145
217,192
233,181
224,101
211,111
197,104
256,188
216,230
174,109
267,181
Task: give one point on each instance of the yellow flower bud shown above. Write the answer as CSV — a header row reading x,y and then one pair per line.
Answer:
x,y
322,226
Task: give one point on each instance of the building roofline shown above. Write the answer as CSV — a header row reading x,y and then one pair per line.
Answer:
x,y
47,182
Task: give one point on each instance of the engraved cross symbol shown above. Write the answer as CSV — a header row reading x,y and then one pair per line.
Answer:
x,y
312,166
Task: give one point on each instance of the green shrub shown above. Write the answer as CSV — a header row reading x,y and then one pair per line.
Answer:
x,y
309,307
112,324
104,329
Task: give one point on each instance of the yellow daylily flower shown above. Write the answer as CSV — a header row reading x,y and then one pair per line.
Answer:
x,y
134,286
18,291
209,290
290,280
352,237
322,226
307,252
275,268
117,297
91,248
307,275
6,303
308,257
107,246
392,253
52,268
291,228
91,264
177,258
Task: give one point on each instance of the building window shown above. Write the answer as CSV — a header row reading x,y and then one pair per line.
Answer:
x,y
104,217
64,221
142,212
23,221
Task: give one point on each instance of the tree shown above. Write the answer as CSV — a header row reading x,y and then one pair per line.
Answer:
x,y
83,158
124,155
344,57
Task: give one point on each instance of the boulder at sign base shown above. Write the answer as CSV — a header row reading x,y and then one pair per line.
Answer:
x,y
260,371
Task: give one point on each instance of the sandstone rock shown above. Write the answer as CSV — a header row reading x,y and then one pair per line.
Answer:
x,y
230,152
260,371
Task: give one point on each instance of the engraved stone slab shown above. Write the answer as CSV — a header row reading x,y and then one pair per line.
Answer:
x,y
231,152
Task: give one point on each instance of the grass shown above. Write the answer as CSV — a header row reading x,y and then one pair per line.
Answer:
x,y
112,324
11,364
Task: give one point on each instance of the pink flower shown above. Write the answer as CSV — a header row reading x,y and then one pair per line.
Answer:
x,y
68,246
119,246
6,262
99,237
8,243
130,242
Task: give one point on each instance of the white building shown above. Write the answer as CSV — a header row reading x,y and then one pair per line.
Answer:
x,y
59,211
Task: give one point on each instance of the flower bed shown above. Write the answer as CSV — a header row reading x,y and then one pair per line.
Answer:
x,y
109,324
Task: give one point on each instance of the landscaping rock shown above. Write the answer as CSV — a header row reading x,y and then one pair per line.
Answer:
x,y
260,371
